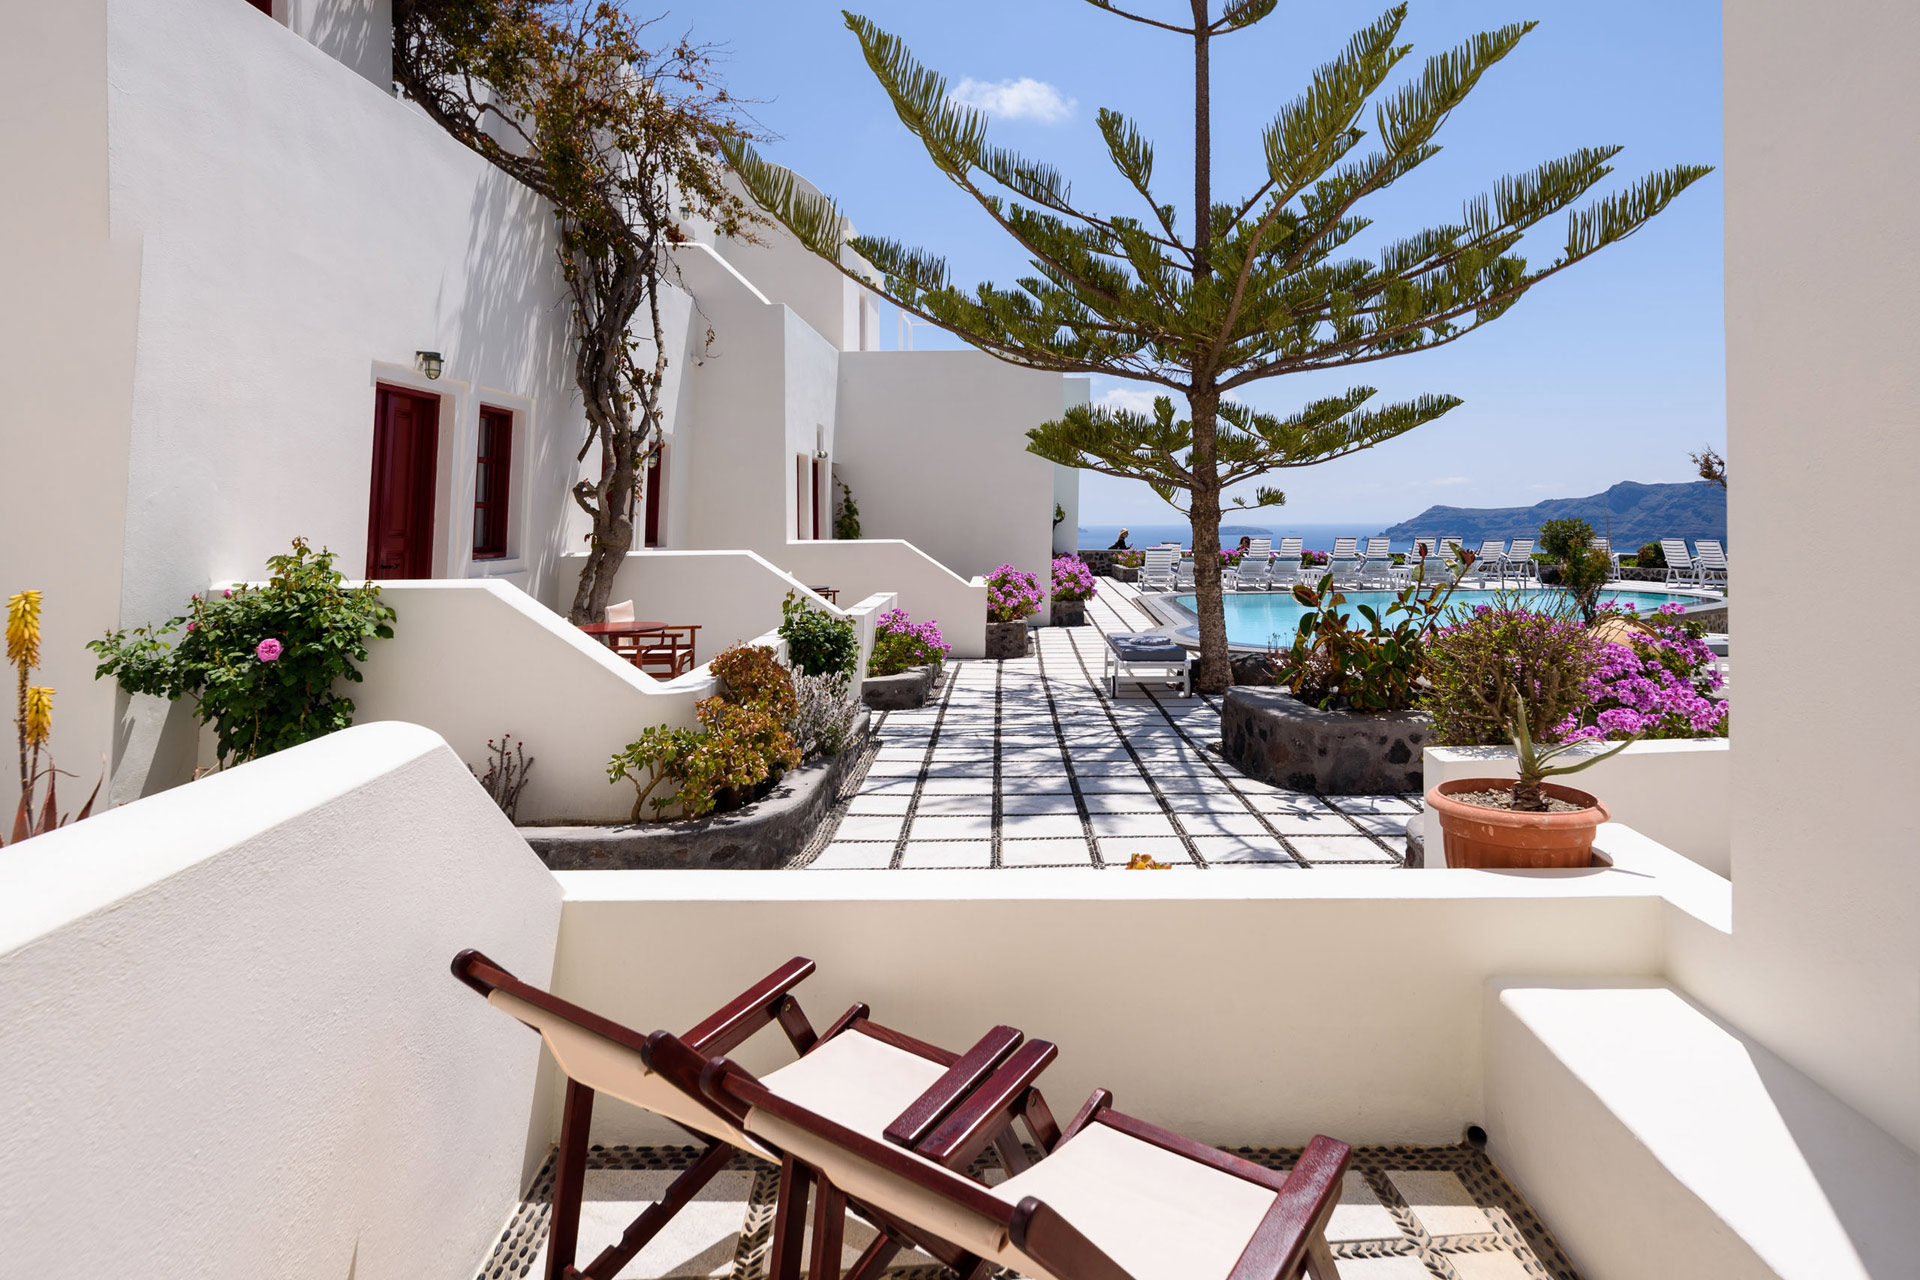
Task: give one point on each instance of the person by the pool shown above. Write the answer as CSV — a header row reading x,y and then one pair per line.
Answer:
x,y
1120,543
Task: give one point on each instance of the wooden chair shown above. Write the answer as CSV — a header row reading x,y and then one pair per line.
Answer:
x,y
870,1078
1112,1197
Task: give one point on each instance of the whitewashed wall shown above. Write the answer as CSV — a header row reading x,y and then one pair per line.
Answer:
x,y
477,660
933,445
1344,1001
928,590
1820,104
229,1040
70,290
302,235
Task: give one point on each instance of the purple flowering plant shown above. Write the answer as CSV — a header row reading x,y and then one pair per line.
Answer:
x,y
1491,659
900,643
1312,558
1072,579
1012,594
1654,685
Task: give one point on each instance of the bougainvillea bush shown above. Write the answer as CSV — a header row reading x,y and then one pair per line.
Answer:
x,y
1313,558
1478,664
899,643
1012,594
1655,685
1072,580
261,663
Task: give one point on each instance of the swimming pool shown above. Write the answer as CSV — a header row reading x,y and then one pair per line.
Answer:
x,y
1256,619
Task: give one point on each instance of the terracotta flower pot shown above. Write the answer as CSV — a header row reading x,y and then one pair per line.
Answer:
x,y
1477,836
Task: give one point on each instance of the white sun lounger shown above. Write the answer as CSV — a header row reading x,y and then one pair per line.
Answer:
x,y
1679,560
1156,574
1710,563
1150,653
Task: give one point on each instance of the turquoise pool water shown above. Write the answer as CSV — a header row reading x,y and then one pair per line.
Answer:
x,y
1256,619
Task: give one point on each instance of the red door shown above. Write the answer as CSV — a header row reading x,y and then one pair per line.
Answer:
x,y
819,494
656,495
406,443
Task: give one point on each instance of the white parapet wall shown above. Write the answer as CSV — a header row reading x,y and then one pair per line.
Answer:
x,y
229,1040
474,660
734,597
924,587
1675,792
1237,1006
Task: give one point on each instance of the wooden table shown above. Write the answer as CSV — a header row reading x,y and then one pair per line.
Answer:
x,y
663,649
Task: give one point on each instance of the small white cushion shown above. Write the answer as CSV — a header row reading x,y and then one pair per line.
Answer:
x,y
856,1081
622,612
1159,1215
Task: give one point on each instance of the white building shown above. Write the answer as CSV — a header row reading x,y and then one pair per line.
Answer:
x,y
227,246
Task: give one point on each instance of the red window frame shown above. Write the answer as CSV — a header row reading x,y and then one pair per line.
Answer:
x,y
264,6
492,483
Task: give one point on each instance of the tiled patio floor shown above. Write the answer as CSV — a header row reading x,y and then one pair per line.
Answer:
x,y
1406,1213
1029,763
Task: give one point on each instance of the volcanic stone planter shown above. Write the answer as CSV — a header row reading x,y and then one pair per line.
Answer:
x,y
1007,639
902,692
1270,735
759,837
1068,613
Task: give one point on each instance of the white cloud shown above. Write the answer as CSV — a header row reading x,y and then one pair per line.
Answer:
x,y
1022,99
1138,399
1432,481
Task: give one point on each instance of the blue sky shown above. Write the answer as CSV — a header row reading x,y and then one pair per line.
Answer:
x,y
1611,371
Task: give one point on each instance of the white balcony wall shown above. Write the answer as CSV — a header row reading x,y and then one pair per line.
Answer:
x,y
477,660
231,1042
71,290
734,597
1235,1006
933,446
302,234
1823,377
927,589
1674,792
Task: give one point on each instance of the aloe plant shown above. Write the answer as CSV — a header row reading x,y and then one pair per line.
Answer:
x,y
1533,766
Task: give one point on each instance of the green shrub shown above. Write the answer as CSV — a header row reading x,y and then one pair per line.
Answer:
x,y
1652,556
818,643
260,662
1582,567
751,676
1336,664
846,521
1484,665
742,744
1559,537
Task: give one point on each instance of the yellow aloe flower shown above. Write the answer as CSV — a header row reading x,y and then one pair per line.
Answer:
x,y
23,629
39,722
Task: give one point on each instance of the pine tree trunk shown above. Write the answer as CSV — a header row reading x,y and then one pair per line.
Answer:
x,y
1215,674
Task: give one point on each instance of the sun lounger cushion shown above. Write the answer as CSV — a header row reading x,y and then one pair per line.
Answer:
x,y
1159,1215
856,1081
1146,647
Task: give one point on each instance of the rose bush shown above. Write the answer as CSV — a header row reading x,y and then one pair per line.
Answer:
x,y
260,662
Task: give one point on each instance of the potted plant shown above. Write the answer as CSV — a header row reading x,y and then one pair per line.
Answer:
x,y
1013,596
1072,587
905,663
1526,821
1345,718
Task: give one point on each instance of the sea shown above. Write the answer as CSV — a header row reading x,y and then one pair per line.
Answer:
x,y
1319,537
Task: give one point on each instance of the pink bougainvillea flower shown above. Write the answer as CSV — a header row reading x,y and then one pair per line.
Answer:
x,y
269,650
193,626
229,593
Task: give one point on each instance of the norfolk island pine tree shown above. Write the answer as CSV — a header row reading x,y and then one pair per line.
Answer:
x,y
1257,289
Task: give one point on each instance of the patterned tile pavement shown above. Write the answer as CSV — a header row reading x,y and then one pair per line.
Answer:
x,y
1405,1213
1030,763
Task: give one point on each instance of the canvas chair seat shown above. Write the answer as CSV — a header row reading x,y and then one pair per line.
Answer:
x,y
856,1081
1158,1214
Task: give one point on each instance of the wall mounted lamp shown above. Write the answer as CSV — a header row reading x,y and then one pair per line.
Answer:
x,y
429,362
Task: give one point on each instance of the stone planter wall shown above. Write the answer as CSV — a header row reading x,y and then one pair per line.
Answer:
x,y
902,692
759,837
1269,735
1007,639
1068,613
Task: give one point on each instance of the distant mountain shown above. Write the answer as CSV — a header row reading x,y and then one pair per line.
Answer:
x,y
1630,513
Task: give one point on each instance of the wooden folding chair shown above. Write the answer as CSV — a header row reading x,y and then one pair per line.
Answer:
x,y
870,1078
1112,1198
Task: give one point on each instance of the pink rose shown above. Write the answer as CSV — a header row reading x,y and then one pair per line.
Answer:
x,y
268,650
229,593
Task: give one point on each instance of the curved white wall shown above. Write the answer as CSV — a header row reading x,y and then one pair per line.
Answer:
x,y
229,1041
